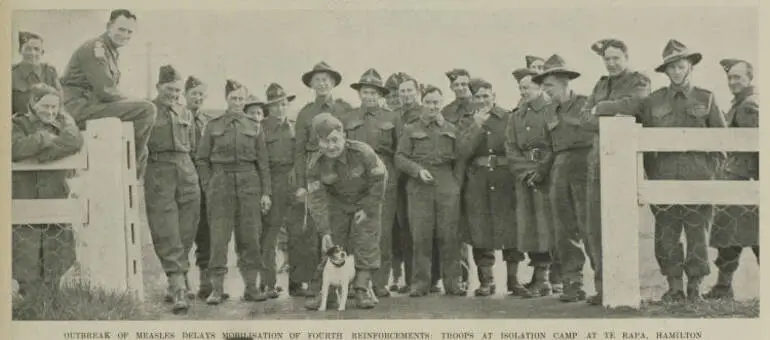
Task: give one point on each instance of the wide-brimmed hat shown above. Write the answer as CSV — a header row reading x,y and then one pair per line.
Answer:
x,y
676,50
520,73
555,65
371,78
251,100
394,80
321,67
530,59
275,93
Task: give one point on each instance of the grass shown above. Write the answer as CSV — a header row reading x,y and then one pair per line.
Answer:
x,y
78,302
706,309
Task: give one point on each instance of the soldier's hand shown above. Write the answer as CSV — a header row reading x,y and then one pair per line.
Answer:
x,y
301,194
266,203
425,176
326,243
359,216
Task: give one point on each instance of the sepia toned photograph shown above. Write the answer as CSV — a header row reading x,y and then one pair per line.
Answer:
x,y
305,164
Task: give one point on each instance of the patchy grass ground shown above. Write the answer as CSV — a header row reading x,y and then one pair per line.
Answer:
x,y
495,307
80,302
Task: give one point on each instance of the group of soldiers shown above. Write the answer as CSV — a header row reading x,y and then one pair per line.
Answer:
x,y
403,182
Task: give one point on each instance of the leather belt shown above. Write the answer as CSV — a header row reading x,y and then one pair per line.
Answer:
x,y
491,161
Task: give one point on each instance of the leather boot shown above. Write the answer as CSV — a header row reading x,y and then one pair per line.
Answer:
x,y
217,287
573,292
723,290
693,289
179,294
250,291
362,298
514,286
675,291
597,299
540,285
486,279
204,287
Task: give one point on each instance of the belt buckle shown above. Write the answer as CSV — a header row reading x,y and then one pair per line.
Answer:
x,y
491,161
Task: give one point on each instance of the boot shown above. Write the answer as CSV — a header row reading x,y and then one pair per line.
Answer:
x,y
693,289
270,292
597,299
514,287
204,287
540,286
723,290
486,279
531,282
573,292
179,296
250,291
362,298
675,291
298,289
216,296
381,292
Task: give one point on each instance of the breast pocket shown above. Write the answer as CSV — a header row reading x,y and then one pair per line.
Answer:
x,y
662,115
183,131
247,141
446,143
697,115
385,135
221,143
354,130
421,144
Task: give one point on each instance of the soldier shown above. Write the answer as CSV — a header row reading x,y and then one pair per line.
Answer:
x,y
285,210
195,95
43,133
30,71
534,63
460,113
680,104
172,191
487,193
90,84
427,152
254,107
736,227
529,154
376,126
234,169
408,111
346,189
621,87
392,99
570,145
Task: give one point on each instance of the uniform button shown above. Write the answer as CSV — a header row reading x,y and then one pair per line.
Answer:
x,y
528,128
491,151
491,188
489,133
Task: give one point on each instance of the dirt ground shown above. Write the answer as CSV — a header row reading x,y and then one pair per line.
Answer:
x,y
443,307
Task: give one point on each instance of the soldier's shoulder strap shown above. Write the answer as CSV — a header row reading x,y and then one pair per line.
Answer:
x,y
659,92
360,146
343,103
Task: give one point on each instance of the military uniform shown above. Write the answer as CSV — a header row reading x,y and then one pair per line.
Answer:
x,y
24,76
233,163
489,203
42,253
430,143
90,91
172,193
338,189
736,227
529,154
397,248
377,128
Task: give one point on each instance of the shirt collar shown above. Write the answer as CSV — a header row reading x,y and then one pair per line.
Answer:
x,y
741,96
566,105
108,44
538,104
496,111
321,101
437,119
685,90
27,69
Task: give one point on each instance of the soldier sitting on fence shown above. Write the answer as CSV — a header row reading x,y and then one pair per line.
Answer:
x,y
44,133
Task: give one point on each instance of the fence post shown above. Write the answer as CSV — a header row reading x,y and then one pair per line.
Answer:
x,y
620,211
131,226
103,236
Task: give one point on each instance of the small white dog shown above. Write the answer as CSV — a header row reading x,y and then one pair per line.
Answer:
x,y
338,274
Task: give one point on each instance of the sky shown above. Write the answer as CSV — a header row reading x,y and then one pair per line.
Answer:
x,y
259,47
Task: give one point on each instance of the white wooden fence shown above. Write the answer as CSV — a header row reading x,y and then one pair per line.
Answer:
x,y
624,189
103,211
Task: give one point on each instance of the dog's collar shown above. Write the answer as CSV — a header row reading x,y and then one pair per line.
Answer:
x,y
337,264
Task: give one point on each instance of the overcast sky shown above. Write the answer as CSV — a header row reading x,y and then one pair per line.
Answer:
x,y
258,47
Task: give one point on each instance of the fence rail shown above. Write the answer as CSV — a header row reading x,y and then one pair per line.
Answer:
x,y
622,143
102,208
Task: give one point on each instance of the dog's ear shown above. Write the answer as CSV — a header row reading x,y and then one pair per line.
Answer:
x,y
332,250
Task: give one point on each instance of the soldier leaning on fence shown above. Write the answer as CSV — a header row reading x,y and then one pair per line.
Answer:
x,y
376,126
427,153
42,133
322,79
611,94
488,191
30,71
346,188
460,113
736,227
234,169
571,145
172,193
683,105
408,112
286,212
195,94
90,84
529,154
